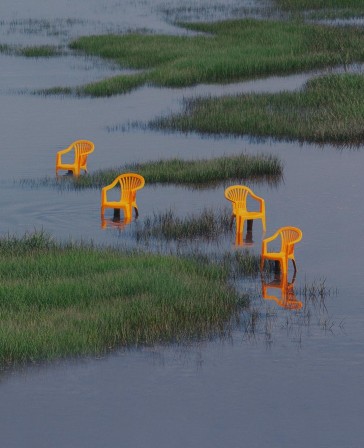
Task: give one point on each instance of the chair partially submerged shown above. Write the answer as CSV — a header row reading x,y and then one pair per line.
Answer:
x,y
129,184
81,148
289,237
238,195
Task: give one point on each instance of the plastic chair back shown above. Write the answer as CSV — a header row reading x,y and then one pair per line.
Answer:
x,y
130,183
238,194
82,149
289,237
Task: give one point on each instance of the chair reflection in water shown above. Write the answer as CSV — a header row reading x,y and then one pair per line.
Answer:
x,y
115,222
238,195
281,291
81,150
248,240
129,184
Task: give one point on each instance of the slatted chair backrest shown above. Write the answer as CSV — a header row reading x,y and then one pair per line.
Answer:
x,y
238,195
129,184
289,237
82,149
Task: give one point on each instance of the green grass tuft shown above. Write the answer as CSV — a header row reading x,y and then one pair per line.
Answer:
x,y
325,8
44,51
207,225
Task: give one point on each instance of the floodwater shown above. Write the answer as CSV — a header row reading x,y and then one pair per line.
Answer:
x,y
297,379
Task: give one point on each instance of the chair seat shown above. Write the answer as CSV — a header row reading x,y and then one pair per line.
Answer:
x,y
67,166
118,204
248,215
275,255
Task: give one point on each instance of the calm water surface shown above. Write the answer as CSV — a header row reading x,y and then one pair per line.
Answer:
x,y
298,380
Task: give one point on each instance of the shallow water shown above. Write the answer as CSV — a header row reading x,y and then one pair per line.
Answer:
x,y
296,380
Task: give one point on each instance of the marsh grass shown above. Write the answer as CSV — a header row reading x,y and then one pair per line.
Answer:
x,y
324,8
73,299
327,109
244,263
43,51
42,27
193,173
6,49
206,225
224,52
209,225
107,87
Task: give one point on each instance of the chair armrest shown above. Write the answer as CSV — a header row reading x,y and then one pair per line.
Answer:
x,y
260,200
271,238
64,151
268,240
112,185
61,152
107,188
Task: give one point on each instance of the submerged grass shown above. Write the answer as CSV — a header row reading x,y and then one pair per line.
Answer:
x,y
327,109
223,52
324,8
176,171
207,225
43,51
67,300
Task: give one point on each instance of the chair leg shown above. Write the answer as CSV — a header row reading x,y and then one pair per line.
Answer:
x,y
239,239
136,212
116,213
128,212
239,224
294,265
278,267
264,224
261,263
284,266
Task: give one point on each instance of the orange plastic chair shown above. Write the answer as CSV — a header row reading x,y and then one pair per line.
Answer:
x,y
280,286
129,184
238,195
289,237
82,148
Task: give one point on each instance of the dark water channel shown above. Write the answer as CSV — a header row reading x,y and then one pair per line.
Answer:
x,y
298,379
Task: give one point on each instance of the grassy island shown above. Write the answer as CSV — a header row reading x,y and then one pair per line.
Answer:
x,y
328,109
67,300
221,52
192,173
